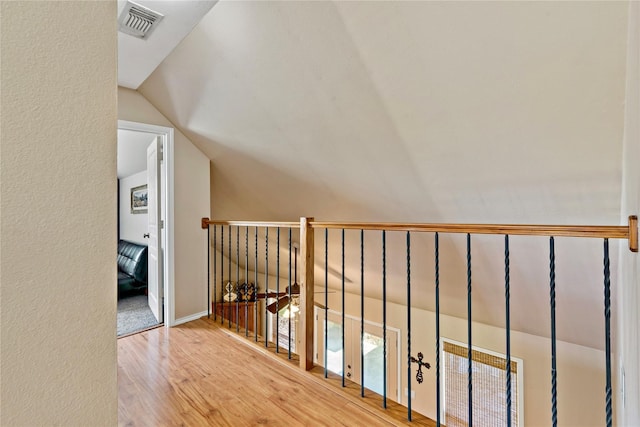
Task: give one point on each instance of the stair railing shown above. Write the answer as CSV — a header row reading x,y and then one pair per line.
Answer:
x,y
307,227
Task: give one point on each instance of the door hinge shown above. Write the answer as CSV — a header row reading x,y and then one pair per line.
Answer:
x,y
161,223
161,154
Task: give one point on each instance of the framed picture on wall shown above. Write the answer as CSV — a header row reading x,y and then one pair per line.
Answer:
x,y
139,199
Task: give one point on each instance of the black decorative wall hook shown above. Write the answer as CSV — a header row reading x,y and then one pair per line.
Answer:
x,y
420,363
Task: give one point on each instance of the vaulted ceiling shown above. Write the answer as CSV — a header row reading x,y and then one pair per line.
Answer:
x,y
418,112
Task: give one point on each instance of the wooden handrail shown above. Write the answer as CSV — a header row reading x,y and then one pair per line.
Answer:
x,y
629,232
284,224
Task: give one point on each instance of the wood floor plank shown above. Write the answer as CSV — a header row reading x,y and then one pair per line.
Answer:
x,y
199,374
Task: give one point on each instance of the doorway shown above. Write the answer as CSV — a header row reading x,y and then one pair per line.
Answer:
x,y
145,214
372,352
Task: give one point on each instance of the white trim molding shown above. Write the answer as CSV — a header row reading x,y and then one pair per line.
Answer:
x,y
189,318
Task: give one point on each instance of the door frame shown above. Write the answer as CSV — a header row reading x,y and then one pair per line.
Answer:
x,y
167,135
316,337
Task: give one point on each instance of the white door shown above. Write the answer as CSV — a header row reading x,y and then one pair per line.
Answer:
x,y
373,352
155,285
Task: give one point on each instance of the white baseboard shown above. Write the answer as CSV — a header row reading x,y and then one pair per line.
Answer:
x,y
189,318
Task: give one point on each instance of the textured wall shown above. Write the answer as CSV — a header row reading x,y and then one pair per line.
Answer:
x,y
481,112
58,223
628,333
191,203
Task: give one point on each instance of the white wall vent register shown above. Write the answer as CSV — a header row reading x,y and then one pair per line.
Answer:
x,y
138,21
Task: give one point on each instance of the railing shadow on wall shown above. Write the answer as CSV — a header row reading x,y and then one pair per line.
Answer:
x,y
257,292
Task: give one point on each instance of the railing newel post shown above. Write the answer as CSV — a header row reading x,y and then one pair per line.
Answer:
x,y
204,223
306,293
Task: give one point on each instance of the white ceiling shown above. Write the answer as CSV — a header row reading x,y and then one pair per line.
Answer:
x,y
481,112
138,58
132,151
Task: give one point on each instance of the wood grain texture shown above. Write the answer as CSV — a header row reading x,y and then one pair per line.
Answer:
x,y
199,373
243,311
633,233
598,231
306,294
628,232
283,224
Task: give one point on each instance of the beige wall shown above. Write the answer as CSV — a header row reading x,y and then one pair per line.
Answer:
x,y
58,227
191,203
628,297
580,369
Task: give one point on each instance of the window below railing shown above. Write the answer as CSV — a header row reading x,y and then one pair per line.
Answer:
x,y
489,387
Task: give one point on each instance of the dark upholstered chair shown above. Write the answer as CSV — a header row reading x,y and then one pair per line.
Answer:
x,y
132,266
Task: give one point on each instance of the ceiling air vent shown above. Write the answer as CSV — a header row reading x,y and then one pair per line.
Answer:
x,y
138,21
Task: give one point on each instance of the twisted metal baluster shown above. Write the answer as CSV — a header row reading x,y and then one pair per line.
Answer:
x,y
384,317
277,328
246,280
507,297
208,271
255,259
362,313
215,276
408,326
222,271
266,286
607,330
552,302
470,348
326,299
238,280
290,284
343,307
230,274
437,256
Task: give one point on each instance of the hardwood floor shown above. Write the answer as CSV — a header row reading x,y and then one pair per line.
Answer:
x,y
200,374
